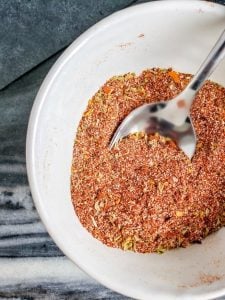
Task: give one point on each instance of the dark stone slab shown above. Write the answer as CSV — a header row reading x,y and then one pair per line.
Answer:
x,y
220,1
15,106
33,30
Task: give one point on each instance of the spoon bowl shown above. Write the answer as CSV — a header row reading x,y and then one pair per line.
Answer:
x,y
148,119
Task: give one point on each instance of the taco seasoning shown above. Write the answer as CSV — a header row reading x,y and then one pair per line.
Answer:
x,y
145,195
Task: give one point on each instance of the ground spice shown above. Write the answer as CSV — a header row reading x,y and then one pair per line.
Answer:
x,y
145,195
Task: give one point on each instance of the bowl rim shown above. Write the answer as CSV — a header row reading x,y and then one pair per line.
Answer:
x,y
36,112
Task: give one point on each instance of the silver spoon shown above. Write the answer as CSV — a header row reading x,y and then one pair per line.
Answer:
x,y
172,118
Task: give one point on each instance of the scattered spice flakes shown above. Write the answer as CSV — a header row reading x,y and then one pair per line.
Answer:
x,y
160,250
209,279
179,213
93,221
145,195
160,187
175,76
151,183
106,89
128,244
125,45
141,35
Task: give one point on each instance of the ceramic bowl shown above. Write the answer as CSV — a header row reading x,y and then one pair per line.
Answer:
x,y
164,34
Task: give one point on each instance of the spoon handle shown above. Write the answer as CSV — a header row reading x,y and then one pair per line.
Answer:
x,y
184,100
208,66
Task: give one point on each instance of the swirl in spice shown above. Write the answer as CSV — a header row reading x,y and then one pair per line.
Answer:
x,y
145,195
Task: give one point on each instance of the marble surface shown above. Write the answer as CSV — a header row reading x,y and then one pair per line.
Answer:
x,y
31,265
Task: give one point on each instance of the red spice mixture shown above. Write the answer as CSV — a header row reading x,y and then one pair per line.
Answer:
x,y
145,195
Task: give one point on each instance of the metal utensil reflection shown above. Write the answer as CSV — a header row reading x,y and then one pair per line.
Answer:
x,y
172,118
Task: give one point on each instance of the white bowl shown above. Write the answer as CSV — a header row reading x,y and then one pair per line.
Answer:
x,y
177,34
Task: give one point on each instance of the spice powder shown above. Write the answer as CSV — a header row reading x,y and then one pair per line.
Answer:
x,y
145,195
